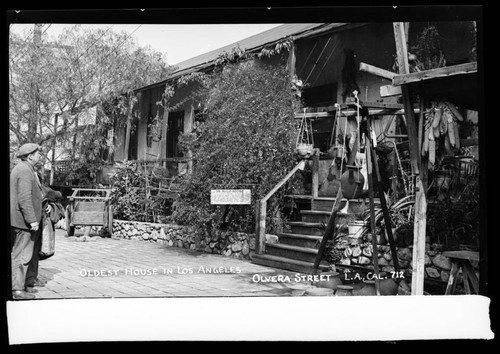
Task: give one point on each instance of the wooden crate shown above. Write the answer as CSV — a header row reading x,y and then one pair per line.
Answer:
x,y
89,218
90,206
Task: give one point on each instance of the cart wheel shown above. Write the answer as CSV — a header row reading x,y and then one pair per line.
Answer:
x,y
70,230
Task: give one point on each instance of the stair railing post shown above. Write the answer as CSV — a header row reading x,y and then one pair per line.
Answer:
x,y
315,174
260,244
261,211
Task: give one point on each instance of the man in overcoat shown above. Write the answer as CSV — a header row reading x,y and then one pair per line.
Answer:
x,y
25,215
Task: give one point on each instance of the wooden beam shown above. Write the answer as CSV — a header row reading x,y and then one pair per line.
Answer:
x,y
386,74
371,104
408,78
401,48
402,56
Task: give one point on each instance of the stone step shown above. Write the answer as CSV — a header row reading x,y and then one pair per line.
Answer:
x,y
286,263
293,252
309,241
318,216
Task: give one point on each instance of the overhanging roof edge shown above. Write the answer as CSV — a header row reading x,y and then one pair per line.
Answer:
x,y
310,32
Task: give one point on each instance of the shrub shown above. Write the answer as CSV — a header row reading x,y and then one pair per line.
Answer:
x,y
245,140
131,198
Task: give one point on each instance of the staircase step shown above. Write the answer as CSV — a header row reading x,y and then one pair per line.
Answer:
x,y
305,197
307,228
294,252
286,263
355,205
303,202
319,216
309,241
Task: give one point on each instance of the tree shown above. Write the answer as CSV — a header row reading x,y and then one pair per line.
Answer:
x,y
59,91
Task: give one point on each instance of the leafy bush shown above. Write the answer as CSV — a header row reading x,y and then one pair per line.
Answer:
x,y
454,219
245,140
131,198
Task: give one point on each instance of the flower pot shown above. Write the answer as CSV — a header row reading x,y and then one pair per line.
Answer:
x,y
352,182
368,288
332,282
388,287
319,292
344,290
298,292
355,228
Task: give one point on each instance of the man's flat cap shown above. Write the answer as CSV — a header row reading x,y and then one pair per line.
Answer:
x,y
27,149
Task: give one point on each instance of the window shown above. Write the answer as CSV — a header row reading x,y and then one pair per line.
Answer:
x,y
175,127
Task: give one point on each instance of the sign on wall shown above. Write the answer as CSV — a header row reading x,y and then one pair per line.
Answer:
x,y
230,196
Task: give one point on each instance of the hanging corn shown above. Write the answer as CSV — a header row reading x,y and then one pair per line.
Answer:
x,y
440,120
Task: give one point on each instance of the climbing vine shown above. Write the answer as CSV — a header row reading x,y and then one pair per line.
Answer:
x,y
246,140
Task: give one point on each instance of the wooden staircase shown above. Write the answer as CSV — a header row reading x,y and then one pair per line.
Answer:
x,y
297,249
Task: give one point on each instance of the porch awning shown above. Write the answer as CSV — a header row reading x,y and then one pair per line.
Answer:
x,y
458,83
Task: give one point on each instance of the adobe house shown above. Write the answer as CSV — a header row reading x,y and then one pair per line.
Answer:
x,y
325,57
347,71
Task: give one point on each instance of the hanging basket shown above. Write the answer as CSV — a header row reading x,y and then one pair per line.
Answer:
x,y
305,144
304,149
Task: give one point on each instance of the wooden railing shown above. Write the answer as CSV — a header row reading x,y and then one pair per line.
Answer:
x,y
261,205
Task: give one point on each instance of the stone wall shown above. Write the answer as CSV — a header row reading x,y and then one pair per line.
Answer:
x,y
227,243
357,251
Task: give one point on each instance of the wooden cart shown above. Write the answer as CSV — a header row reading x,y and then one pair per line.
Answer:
x,y
89,207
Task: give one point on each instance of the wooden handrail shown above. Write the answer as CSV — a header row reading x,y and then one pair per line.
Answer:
x,y
261,210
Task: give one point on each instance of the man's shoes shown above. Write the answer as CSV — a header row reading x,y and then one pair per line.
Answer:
x,y
22,295
39,283
31,290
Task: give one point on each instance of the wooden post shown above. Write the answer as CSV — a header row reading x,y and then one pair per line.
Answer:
x,y
315,174
260,234
127,131
164,131
402,55
418,261
369,171
420,199
329,232
291,61
188,128
385,210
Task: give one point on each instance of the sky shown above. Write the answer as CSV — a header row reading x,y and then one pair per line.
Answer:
x,y
177,42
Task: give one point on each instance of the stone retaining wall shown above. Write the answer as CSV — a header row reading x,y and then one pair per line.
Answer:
x,y
227,243
360,252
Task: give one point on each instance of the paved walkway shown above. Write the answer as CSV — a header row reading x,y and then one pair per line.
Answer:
x,y
118,268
